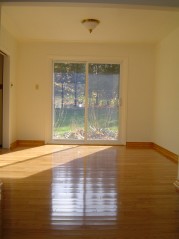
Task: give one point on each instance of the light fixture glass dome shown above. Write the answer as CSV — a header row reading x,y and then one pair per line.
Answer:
x,y
90,24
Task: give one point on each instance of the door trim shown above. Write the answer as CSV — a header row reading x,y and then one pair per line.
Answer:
x,y
6,101
123,61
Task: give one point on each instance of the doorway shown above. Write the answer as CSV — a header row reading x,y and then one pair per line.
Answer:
x,y
86,102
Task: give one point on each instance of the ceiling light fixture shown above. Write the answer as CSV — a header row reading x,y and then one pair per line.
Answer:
x,y
90,24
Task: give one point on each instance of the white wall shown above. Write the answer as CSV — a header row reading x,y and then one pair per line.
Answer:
x,y
35,67
166,111
9,46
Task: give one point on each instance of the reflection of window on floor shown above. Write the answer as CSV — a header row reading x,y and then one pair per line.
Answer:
x,y
84,191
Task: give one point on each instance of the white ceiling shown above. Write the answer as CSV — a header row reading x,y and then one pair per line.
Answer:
x,y
62,22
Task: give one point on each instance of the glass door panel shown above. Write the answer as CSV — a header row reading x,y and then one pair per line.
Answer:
x,y
69,101
103,98
86,112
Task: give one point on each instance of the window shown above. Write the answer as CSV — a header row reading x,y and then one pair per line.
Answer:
x,y
86,102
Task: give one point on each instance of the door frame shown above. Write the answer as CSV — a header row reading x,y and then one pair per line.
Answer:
x,y
123,62
6,100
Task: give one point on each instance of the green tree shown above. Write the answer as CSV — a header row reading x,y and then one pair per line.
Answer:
x,y
68,77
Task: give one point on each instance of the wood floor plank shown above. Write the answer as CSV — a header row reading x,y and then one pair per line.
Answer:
x,y
76,192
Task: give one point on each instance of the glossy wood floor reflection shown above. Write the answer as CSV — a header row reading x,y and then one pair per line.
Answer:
x,y
88,192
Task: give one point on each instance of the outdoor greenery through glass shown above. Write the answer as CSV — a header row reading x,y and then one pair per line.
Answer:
x,y
70,101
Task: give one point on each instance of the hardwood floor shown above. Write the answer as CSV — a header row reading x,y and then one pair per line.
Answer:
x,y
85,192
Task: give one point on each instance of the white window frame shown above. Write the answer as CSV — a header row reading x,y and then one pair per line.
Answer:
x,y
123,62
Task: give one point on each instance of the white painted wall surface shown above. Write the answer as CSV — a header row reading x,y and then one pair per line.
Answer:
x,y
166,111
35,67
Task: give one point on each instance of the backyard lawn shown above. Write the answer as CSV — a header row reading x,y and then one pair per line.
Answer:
x,y
102,123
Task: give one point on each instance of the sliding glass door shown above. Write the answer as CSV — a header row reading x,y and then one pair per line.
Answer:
x,y
85,102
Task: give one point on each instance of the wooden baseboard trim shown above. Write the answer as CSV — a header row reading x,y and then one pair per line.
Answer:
x,y
165,152
150,145
146,145
30,143
13,145
27,143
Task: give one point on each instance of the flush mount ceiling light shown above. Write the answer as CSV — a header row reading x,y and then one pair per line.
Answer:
x,y
90,24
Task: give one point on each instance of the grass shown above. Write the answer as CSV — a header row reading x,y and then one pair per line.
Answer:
x,y
72,119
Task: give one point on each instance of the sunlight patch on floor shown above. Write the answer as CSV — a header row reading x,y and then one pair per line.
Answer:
x,y
27,162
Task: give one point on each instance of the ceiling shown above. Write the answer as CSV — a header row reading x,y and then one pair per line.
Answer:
x,y
62,22
166,3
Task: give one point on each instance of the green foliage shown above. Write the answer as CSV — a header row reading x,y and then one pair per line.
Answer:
x,y
104,68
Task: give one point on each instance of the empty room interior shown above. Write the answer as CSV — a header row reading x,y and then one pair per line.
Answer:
x,y
89,112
